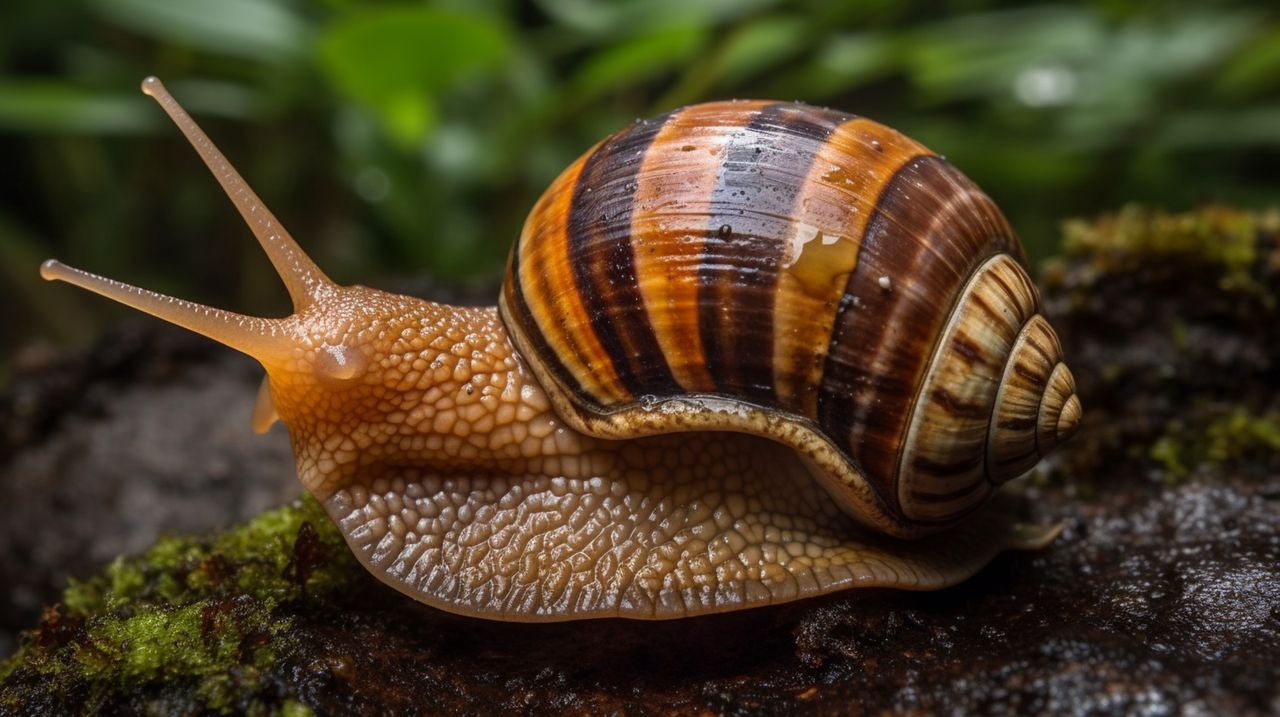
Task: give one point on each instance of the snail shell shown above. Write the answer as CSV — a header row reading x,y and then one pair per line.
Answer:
x,y
802,274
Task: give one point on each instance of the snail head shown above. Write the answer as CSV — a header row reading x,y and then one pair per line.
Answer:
x,y
321,359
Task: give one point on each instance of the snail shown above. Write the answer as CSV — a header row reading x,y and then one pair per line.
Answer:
x,y
746,352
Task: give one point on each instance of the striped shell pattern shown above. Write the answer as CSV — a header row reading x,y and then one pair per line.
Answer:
x,y
802,274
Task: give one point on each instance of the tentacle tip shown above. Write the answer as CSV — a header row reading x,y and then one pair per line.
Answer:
x,y
51,269
152,86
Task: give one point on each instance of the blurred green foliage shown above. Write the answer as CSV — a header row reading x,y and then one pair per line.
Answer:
x,y
396,138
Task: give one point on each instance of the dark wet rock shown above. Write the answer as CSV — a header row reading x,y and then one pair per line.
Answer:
x,y
144,435
1161,597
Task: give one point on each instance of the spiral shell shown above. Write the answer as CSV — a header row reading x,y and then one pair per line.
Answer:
x,y
803,274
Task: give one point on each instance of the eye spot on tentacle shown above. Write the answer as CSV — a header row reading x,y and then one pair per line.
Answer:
x,y
340,363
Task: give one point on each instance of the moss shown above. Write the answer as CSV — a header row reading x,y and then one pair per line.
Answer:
x,y
1216,238
1233,438
290,708
199,614
1241,434
1167,451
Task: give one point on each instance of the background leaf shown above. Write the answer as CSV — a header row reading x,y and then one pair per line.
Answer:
x,y
57,106
251,29
397,60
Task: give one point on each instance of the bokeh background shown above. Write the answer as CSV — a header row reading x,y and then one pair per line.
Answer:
x,y
410,138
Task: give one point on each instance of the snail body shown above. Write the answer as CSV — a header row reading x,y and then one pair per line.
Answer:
x,y
744,353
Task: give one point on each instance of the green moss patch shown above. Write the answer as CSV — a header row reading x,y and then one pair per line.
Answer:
x,y
1237,438
1214,238
200,618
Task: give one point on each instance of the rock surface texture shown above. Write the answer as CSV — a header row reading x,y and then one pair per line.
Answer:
x,y
1162,596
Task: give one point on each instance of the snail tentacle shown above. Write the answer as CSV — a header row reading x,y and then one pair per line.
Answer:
x,y
257,337
304,280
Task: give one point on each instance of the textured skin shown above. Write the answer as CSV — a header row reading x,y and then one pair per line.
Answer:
x,y
432,385
662,527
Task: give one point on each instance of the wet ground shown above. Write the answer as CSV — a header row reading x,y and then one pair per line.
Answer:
x,y
1162,596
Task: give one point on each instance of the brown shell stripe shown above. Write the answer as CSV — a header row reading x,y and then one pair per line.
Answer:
x,y
545,299
513,295
669,223
603,261
751,208
836,201
932,227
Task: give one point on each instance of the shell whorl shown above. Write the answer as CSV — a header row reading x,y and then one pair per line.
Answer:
x,y
797,262
996,368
